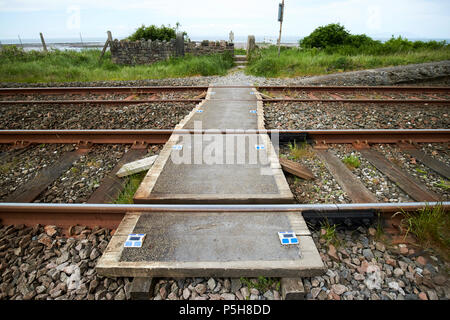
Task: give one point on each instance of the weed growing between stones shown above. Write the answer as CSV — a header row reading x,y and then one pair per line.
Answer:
x,y
431,226
301,151
352,162
262,283
126,197
328,233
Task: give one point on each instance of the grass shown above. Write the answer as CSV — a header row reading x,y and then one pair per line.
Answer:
x,y
60,66
379,230
240,51
126,197
294,62
262,284
444,184
352,162
301,151
431,227
329,233
8,166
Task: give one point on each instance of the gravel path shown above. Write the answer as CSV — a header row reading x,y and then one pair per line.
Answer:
x,y
144,116
337,115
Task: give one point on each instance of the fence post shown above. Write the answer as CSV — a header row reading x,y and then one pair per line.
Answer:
x,y
108,42
250,44
43,42
179,45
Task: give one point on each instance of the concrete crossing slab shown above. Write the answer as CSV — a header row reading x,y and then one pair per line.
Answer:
x,y
218,168
220,244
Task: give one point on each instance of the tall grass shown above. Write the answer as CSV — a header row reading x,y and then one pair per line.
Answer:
x,y
59,66
431,226
303,62
132,184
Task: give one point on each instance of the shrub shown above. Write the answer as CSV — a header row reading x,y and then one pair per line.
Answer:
x,y
330,35
351,161
154,33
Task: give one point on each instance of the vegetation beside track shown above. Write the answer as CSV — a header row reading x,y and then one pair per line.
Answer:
x,y
332,49
431,226
17,65
132,184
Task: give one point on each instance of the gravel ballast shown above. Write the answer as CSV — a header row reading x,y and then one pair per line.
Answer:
x,y
144,116
324,189
38,263
21,169
362,267
374,180
432,180
336,115
85,175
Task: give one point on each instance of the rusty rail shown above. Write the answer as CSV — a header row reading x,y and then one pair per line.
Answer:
x,y
287,100
156,89
158,136
110,215
83,90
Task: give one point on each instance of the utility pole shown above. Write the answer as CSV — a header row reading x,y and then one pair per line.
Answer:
x,y
280,18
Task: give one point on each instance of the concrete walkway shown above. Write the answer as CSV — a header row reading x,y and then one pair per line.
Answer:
x,y
218,168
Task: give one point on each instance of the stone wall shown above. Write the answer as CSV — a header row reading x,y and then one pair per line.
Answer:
x,y
147,52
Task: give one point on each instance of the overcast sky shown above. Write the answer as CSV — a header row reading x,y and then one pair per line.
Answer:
x,y
214,18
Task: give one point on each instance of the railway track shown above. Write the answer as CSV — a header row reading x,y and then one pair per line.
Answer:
x,y
302,94
140,140
327,146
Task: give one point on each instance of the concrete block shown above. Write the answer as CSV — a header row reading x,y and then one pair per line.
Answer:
x,y
136,166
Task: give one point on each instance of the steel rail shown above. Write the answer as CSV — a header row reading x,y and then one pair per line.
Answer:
x,y
155,89
80,90
157,136
375,101
288,100
357,88
99,102
110,215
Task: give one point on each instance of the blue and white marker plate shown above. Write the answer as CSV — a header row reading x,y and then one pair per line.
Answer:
x,y
134,240
259,147
288,238
199,111
252,111
177,147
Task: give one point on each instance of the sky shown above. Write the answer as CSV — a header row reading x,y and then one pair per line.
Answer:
x,y
215,18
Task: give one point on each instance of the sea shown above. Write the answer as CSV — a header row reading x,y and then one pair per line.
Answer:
x,y
79,44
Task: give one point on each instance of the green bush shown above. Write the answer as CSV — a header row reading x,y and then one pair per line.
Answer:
x,y
330,35
154,33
